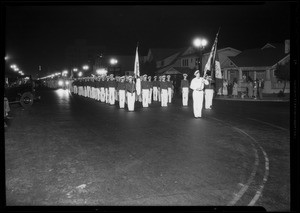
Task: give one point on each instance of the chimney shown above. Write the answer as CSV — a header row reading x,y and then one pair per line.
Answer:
x,y
286,46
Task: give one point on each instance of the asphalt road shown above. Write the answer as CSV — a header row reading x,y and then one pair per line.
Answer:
x,y
70,150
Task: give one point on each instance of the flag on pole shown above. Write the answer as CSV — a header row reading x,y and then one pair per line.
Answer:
x,y
137,72
136,64
211,58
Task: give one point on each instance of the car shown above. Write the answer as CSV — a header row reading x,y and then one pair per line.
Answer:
x,y
20,89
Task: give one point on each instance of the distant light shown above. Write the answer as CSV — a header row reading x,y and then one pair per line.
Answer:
x,y
75,69
13,66
80,74
6,58
198,42
27,78
60,83
113,61
16,69
85,67
22,73
67,82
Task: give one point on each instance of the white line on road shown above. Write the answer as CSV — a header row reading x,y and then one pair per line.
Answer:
x,y
269,124
237,196
265,178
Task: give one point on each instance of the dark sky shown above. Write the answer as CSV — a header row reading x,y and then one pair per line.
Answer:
x,y
39,34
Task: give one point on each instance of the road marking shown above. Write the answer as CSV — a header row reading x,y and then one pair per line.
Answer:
x,y
265,178
269,124
237,196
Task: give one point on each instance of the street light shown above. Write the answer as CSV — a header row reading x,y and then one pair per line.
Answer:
x,y
80,74
85,67
200,44
113,62
75,69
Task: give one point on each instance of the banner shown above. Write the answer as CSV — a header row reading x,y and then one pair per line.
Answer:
x,y
137,72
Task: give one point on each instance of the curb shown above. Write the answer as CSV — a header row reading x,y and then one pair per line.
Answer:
x,y
252,100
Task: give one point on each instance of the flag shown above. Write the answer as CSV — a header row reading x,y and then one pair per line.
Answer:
x,y
217,72
136,64
211,57
137,72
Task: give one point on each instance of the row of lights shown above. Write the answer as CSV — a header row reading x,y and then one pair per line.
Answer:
x,y
16,69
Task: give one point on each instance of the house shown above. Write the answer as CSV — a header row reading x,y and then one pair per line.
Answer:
x,y
258,63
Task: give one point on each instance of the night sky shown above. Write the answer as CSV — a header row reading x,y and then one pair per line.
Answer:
x,y
38,35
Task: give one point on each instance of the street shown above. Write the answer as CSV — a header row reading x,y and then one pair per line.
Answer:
x,y
71,150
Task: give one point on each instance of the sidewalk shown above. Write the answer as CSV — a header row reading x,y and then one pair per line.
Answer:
x,y
266,97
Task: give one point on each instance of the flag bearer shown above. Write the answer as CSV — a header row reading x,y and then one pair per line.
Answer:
x,y
111,90
209,93
150,84
121,91
155,87
106,89
197,85
184,85
130,89
170,85
102,88
164,91
145,91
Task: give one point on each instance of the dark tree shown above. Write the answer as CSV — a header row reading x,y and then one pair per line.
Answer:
x,y
282,73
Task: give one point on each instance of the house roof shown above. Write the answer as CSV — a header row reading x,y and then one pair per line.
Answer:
x,y
178,69
259,57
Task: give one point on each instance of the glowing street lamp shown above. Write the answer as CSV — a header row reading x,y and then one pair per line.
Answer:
x,y
80,74
13,66
113,61
16,69
75,69
200,44
85,67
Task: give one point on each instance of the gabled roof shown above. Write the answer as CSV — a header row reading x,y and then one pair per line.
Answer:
x,y
259,57
159,54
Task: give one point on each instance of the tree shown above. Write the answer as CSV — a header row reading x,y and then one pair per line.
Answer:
x,y
282,73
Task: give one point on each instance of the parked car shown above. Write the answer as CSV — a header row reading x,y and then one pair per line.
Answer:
x,y
20,89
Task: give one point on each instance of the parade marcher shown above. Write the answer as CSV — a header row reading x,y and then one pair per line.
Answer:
x,y
260,88
170,87
126,81
130,89
102,88
184,85
111,90
155,87
107,89
225,84
197,85
116,90
158,88
121,91
145,91
164,91
208,93
150,84
98,86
